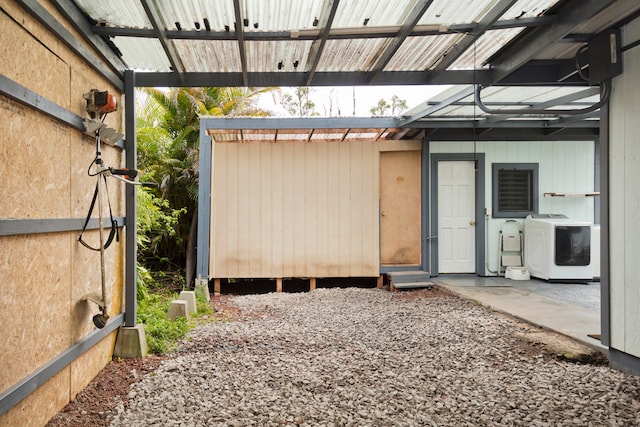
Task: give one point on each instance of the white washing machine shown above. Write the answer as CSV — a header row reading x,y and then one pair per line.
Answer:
x,y
558,248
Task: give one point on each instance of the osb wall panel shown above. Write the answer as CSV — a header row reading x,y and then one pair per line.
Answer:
x,y
400,220
82,186
85,279
41,405
295,210
87,366
32,64
34,308
37,58
44,175
34,174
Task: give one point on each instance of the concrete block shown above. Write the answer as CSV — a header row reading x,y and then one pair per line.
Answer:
x,y
190,298
177,308
131,342
202,289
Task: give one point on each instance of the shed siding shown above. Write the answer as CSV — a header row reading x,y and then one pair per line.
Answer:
x,y
624,202
564,166
294,210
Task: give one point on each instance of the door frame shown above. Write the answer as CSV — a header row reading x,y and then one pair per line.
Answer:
x,y
479,208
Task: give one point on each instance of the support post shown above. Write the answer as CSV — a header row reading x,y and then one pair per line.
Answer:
x,y
312,284
131,259
279,284
216,286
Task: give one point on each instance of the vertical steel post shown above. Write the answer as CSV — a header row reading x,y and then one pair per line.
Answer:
x,y
605,297
204,203
131,259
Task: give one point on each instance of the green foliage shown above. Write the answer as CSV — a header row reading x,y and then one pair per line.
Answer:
x,y
298,103
382,108
162,334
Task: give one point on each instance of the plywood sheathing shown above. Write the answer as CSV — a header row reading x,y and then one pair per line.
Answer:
x,y
45,65
400,207
34,308
34,174
85,279
42,404
44,164
87,366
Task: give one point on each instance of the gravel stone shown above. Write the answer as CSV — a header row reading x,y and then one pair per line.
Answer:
x,y
363,357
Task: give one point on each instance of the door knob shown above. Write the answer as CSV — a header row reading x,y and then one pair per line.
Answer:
x,y
472,223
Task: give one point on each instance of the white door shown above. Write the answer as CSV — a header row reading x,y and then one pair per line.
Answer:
x,y
456,217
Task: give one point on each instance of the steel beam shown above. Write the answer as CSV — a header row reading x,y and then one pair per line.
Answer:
x,y
14,227
77,18
241,47
315,34
317,47
571,14
407,26
25,96
159,28
15,394
51,23
469,39
257,79
468,91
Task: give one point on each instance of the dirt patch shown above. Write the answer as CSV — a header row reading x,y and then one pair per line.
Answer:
x,y
563,347
94,405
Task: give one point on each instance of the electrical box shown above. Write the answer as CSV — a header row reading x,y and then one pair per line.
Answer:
x,y
605,58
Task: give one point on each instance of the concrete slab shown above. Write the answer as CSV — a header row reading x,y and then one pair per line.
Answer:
x,y
561,311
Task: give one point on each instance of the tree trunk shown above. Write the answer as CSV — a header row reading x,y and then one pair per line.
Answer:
x,y
191,253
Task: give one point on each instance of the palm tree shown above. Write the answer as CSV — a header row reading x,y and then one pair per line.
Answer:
x,y
168,140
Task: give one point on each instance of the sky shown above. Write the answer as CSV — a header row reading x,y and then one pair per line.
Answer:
x,y
339,101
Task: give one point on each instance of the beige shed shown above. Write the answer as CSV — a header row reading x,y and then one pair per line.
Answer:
x,y
310,203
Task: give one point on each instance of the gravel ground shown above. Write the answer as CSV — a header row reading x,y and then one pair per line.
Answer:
x,y
368,357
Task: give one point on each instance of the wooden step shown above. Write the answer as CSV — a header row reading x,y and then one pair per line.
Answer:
x,y
410,276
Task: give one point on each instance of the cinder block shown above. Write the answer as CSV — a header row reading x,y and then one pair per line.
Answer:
x,y
177,308
190,298
131,342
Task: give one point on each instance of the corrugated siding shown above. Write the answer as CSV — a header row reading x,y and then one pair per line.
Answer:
x,y
295,210
624,202
563,167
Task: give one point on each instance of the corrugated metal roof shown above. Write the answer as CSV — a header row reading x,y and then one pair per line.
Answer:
x,y
219,56
421,53
485,46
361,42
119,13
351,55
360,32
143,53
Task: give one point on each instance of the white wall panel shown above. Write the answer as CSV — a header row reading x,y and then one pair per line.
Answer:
x,y
563,166
624,209
295,210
